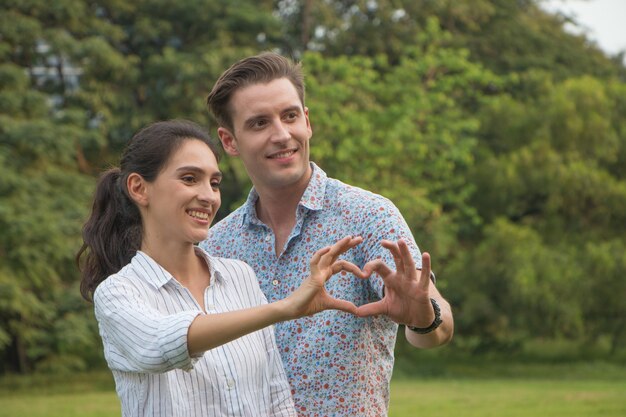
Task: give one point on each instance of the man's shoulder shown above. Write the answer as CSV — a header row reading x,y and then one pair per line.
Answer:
x,y
348,195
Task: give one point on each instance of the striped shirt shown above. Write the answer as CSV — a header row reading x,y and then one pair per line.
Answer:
x,y
144,314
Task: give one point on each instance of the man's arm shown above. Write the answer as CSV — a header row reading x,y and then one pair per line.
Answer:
x,y
442,334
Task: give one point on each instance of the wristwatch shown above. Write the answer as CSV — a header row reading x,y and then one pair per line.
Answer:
x,y
436,322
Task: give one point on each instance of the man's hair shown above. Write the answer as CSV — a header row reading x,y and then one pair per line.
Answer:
x,y
262,68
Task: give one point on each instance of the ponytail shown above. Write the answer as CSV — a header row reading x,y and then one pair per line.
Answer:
x,y
111,235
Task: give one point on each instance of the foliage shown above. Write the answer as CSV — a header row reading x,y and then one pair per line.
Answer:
x,y
500,136
77,79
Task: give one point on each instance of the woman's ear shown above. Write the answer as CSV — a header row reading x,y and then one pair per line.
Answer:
x,y
137,189
229,143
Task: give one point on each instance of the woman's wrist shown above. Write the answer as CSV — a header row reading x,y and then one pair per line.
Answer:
x,y
284,309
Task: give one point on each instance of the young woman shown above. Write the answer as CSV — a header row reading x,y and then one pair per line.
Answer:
x,y
186,334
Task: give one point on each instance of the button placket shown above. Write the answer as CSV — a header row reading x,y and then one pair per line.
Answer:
x,y
209,298
230,383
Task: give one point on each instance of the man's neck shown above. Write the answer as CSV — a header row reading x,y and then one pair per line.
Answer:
x,y
277,209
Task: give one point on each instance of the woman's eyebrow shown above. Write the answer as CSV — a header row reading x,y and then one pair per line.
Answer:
x,y
198,170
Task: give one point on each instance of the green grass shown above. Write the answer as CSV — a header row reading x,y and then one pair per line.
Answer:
x,y
462,390
507,398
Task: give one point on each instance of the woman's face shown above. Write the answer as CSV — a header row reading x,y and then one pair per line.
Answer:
x,y
182,201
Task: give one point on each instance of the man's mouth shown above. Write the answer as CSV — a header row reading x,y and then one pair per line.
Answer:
x,y
282,154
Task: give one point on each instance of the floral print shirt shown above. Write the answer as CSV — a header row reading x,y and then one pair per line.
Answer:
x,y
337,364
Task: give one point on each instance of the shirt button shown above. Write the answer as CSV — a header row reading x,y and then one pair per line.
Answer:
x,y
268,238
210,307
230,384
275,282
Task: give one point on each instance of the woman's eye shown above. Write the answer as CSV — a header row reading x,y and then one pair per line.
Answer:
x,y
189,178
216,184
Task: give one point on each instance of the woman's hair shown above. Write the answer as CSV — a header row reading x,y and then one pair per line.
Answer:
x,y
112,234
262,68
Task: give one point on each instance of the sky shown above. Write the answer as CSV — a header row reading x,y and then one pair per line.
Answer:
x,y
604,21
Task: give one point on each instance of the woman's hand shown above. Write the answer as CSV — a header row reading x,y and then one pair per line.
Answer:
x,y
311,296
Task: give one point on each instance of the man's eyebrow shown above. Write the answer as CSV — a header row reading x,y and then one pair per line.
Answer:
x,y
296,107
254,118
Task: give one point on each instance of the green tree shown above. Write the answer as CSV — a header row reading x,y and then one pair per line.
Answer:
x,y
77,79
42,195
402,130
511,288
501,137
505,36
602,292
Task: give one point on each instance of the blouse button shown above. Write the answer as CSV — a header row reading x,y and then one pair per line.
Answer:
x,y
275,282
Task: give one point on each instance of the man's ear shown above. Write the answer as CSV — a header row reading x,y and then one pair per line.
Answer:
x,y
229,142
137,189
308,121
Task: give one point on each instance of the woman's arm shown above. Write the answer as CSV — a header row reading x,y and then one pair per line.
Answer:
x,y
209,331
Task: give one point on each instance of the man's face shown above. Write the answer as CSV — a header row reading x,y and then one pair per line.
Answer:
x,y
270,134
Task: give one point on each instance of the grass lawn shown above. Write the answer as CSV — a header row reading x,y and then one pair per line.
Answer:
x,y
507,398
544,391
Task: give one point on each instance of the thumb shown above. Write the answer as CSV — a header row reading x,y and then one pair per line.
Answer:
x,y
372,309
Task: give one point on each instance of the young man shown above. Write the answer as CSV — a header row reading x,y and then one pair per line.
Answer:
x,y
337,364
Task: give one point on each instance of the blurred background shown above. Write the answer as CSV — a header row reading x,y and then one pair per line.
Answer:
x,y
498,127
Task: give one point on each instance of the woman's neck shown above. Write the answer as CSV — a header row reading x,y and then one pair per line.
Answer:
x,y
180,260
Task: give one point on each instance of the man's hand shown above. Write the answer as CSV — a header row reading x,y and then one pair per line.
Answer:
x,y
406,297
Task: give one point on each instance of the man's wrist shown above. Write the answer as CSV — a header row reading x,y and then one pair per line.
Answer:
x,y
434,325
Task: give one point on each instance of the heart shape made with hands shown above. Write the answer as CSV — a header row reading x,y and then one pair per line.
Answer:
x,y
406,292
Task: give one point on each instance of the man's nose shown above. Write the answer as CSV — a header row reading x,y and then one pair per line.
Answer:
x,y
280,132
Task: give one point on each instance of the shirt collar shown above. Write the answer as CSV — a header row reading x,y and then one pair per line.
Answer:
x,y
312,199
155,274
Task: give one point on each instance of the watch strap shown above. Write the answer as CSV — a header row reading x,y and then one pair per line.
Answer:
x,y
436,322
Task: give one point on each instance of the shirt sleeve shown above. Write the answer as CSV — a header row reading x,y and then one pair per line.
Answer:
x,y
386,222
136,336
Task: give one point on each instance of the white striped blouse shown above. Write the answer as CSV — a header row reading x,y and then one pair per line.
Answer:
x,y
144,314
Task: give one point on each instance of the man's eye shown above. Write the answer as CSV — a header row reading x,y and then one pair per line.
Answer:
x,y
259,124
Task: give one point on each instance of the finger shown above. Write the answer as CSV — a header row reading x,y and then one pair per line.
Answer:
x,y
343,305
338,248
407,260
372,309
378,266
317,256
342,265
393,248
344,244
425,275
